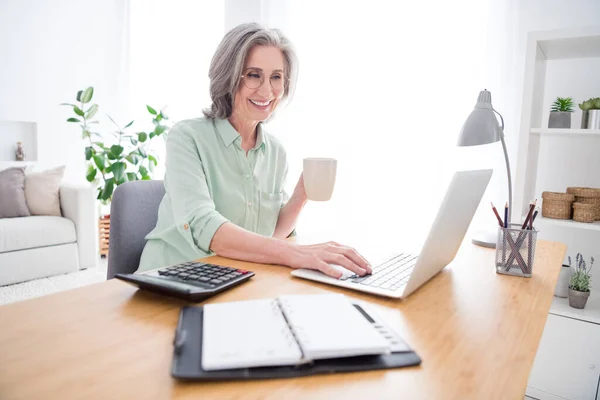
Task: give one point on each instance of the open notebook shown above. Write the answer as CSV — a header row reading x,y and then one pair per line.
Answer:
x,y
291,330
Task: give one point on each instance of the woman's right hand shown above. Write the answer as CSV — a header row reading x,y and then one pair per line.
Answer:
x,y
320,256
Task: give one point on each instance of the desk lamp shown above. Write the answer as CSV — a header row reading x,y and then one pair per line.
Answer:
x,y
482,128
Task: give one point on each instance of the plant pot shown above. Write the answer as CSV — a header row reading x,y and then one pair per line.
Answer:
x,y
562,285
590,119
578,299
559,119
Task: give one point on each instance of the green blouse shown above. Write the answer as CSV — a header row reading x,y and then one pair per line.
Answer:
x,y
210,180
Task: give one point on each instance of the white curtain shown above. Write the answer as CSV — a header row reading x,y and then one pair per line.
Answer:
x,y
171,45
384,87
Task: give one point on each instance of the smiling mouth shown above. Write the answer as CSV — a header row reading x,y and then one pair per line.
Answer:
x,y
261,104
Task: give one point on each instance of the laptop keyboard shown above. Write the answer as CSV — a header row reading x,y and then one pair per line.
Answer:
x,y
390,275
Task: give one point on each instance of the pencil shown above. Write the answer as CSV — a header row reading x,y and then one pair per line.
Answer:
x,y
506,215
497,215
531,207
533,219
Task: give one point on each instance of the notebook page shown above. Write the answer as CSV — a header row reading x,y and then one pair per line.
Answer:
x,y
329,326
244,334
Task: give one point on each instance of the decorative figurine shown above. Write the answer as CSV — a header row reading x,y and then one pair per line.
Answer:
x,y
20,152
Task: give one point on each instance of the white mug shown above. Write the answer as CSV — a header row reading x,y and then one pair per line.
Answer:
x,y
319,178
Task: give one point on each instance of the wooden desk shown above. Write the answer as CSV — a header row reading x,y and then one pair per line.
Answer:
x,y
477,333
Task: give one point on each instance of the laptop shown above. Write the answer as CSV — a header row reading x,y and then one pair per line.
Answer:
x,y
403,273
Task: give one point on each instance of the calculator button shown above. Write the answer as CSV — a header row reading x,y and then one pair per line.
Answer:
x,y
204,279
241,271
216,281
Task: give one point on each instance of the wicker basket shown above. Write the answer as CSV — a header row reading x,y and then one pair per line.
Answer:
x,y
103,234
583,212
557,205
587,196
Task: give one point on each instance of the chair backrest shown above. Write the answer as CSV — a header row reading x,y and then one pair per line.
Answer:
x,y
133,214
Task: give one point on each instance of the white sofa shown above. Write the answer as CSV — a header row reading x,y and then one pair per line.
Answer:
x,y
41,246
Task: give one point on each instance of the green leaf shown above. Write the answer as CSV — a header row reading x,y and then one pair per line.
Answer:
x,y
92,111
132,176
142,136
159,117
67,104
153,159
116,150
142,152
89,151
111,156
73,120
146,178
85,134
79,95
78,111
87,95
143,171
133,141
151,167
128,125
152,134
118,170
99,160
133,158
151,110
160,129
91,173
107,191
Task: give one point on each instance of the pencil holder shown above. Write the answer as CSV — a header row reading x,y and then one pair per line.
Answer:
x,y
515,251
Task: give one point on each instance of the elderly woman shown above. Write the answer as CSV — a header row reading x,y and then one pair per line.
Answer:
x,y
225,175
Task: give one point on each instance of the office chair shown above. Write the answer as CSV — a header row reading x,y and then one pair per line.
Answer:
x,y
133,214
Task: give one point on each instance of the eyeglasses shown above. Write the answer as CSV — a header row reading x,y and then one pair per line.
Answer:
x,y
254,79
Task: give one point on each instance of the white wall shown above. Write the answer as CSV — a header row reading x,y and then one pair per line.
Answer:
x,y
48,51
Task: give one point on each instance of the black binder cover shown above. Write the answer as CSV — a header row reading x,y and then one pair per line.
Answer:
x,y
187,358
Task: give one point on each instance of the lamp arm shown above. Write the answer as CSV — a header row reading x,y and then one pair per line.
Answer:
x,y
507,168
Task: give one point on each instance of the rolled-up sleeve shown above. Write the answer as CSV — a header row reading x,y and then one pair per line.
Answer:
x,y
186,186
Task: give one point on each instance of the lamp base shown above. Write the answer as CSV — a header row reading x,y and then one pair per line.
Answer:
x,y
485,239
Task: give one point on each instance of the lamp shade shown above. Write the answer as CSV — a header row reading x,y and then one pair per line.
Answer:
x,y
482,126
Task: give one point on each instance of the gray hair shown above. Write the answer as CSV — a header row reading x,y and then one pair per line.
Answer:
x,y
227,65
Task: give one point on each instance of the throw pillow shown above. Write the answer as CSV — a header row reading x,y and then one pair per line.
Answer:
x,y
42,191
12,193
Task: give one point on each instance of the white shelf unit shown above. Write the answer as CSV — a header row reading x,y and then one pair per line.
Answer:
x,y
559,63
562,63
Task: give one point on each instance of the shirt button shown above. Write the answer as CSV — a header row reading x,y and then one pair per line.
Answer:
x,y
186,226
249,204
247,176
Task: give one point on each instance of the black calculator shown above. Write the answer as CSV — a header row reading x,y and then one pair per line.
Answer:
x,y
192,281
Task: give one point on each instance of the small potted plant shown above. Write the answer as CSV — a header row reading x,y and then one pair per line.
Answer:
x,y
590,116
579,285
560,113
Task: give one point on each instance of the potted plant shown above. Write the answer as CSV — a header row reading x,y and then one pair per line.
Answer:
x,y
590,117
127,157
560,113
579,285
